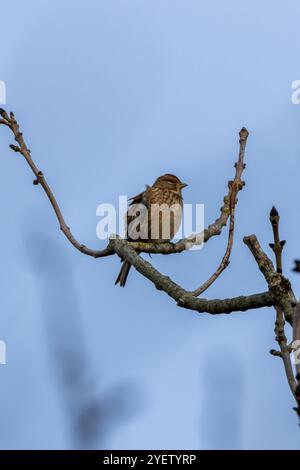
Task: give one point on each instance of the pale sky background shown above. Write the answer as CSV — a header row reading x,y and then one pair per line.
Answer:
x,y
110,94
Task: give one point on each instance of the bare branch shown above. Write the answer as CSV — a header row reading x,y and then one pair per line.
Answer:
x,y
296,330
183,297
278,245
284,349
234,187
284,299
296,338
40,179
279,286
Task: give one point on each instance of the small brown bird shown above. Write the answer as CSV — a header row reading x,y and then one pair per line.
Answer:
x,y
153,215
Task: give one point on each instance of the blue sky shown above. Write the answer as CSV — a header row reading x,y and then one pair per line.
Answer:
x,y
109,95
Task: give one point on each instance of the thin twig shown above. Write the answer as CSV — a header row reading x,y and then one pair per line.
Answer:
x,y
278,244
296,335
285,351
11,122
277,247
234,187
284,299
296,350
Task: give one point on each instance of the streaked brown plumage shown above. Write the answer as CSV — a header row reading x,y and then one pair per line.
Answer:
x,y
146,219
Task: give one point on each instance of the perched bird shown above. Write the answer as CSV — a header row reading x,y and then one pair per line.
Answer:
x,y
153,215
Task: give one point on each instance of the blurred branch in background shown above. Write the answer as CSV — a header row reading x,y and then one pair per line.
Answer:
x,y
91,413
221,413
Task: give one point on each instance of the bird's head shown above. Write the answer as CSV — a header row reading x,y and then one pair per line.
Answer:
x,y
169,181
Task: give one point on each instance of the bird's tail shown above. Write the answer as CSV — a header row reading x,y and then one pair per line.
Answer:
x,y
121,279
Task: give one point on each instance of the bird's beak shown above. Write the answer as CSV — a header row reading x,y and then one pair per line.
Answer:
x,y
183,185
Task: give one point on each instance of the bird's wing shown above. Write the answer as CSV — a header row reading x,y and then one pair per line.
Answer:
x,y
137,216
140,198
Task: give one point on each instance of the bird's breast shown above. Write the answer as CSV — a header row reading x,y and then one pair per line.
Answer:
x,y
165,214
